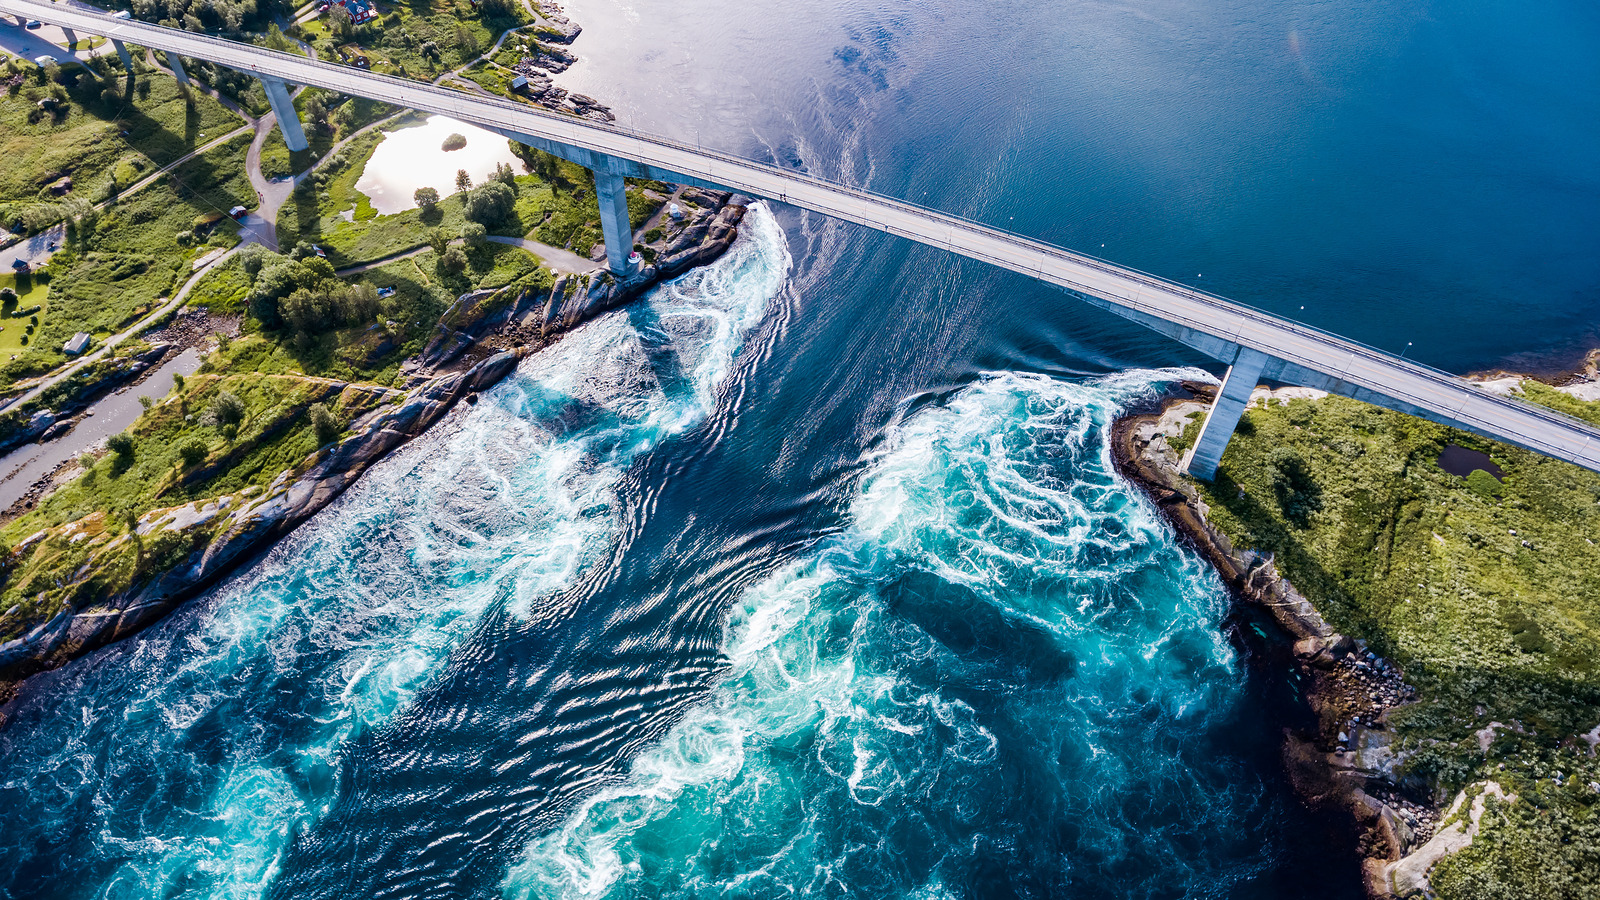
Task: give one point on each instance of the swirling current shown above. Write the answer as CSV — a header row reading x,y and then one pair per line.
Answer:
x,y
998,676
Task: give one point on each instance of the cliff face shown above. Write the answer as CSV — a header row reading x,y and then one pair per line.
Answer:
x,y
1347,767
129,580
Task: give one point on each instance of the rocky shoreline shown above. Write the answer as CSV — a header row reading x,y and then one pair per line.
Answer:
x,y
478,343
1346,767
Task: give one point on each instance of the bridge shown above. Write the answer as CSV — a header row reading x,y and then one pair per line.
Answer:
x,y
1255,345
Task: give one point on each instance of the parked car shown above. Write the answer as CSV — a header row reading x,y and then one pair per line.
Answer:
x,y
34,24
122,14
45,60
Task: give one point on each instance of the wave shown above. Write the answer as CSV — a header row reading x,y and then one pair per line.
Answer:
x,y
185,760
1004,677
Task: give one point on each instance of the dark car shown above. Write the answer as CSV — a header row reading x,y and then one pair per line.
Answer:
x,y
34,24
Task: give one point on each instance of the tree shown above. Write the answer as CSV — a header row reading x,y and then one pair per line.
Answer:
x,y
490,204
454,261
426,197
474,235
504,174
192,452
463,180
121,444
439,241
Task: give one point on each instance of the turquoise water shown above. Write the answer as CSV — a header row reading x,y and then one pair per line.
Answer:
x,y
1003,668
808,575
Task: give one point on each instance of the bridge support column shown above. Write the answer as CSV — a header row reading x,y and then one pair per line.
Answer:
x,y
283,106
72,37
175,63
122,52
612,192
1232,398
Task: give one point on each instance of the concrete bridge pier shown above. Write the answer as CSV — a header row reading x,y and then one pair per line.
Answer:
x,y
612,192
1232,398
283,106
175,63
72,36
123,54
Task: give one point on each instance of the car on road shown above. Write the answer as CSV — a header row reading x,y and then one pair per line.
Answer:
x,y
34,23
45,60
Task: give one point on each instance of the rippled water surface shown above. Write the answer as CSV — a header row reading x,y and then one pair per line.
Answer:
x,y
809,575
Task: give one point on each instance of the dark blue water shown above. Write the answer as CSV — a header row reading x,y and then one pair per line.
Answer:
x,y
810,575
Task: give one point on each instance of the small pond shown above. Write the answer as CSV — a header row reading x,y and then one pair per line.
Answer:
x,y
1460,461
414,158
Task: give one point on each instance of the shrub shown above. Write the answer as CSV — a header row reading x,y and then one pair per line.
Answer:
x,y
121,444
227,409
474,235
326,425
453,142
1297,493
454,261
192,452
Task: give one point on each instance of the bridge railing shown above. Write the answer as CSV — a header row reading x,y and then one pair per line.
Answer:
x,y
702,163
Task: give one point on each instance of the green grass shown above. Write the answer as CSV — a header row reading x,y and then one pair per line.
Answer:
x,y
133,257
31,292
275,435
1491,605
86,142
458,35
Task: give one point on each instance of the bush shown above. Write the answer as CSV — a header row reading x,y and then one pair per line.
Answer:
x,y
1297,493
453,262
121,444
474,235
227,409
326,425
453,142
192,452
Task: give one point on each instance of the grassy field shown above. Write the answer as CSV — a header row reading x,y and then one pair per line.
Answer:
x,y
31,292
1486,592
92,136
136,251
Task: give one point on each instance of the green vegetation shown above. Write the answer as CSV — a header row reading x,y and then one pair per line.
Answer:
x,y
120,261
421,39
104,140
555,206
327,119
1486,592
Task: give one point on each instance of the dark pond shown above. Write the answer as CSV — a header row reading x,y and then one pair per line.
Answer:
x,y
1460,461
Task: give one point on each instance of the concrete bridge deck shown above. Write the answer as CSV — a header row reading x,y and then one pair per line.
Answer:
x,y
1256,345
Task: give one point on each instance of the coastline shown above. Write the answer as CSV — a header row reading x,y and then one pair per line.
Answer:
x,y
1344,767
477,343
